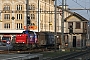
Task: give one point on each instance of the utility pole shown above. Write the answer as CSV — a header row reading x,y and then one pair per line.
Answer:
x,y
38,15
49,16
27,17
62,27
55,23
27,14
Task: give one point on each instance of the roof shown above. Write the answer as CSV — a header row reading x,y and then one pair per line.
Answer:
x,y
11,31
14,31
78,16
73,14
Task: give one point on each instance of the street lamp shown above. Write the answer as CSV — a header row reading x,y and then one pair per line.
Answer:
x,y
13,22
13,18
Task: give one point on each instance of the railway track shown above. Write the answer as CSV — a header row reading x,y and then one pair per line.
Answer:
x,y
83,57
69,56
22,51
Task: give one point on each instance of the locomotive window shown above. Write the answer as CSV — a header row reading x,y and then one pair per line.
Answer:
x,y
5,38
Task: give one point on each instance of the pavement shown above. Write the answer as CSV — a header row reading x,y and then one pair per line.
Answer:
x,y
4,46
20,56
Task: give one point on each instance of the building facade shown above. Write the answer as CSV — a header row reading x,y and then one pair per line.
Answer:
x,y
79,25
13,15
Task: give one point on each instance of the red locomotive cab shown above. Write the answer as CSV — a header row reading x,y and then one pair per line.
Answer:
x,y
25,40
21,38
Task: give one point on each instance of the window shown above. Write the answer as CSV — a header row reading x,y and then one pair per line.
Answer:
x,y
45,26
32,16
19,26
51,27
6,7
85,25
7,25
41,24
19,16
7,16
32,24
70,24
19,7
78,25
31,7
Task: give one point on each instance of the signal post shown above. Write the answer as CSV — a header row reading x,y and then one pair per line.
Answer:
x,y
27,17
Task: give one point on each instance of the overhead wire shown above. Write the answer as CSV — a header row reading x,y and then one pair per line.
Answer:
x,y
89,10
59,2
82,1
83,6
78,4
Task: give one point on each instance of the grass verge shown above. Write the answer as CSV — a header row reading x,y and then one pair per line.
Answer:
x,y
54,53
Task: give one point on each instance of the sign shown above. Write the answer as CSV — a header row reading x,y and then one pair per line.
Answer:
x,y
31,27
8,42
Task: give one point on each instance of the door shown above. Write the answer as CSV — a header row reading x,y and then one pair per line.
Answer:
x,y
74,41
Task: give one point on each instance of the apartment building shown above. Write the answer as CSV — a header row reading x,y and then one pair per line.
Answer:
x,y
13,15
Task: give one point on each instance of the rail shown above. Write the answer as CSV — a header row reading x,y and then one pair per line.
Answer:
x,y
68,56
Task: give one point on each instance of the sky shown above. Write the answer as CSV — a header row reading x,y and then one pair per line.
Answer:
x,y
85,4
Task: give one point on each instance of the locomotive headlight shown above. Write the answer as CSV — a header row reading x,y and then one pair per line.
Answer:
x,y
23,42
16,42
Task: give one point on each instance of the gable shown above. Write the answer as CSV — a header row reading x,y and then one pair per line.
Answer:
x,y
73,18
